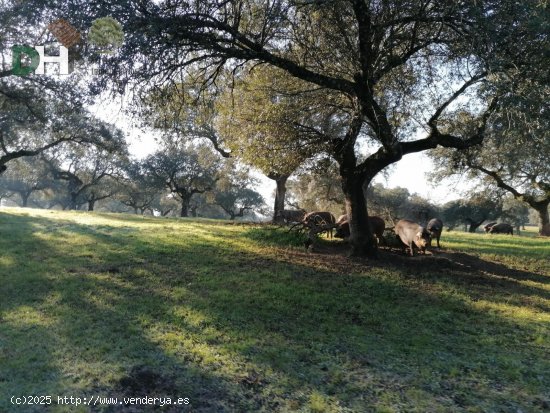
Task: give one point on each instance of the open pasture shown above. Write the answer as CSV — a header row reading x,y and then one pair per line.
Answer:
x,y
239,318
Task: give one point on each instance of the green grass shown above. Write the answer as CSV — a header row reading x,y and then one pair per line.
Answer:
x,y
527,252
242,319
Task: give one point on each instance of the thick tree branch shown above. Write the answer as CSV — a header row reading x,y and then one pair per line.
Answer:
x,y
435,117
27,152
364,27
530,199
206,32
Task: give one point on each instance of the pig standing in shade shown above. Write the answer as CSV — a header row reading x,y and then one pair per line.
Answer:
x,y
377,225
434,227
412,234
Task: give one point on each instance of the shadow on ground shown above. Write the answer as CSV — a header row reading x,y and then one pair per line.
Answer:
x,y
135,312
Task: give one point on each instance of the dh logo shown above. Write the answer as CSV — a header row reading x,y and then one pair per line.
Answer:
x,y
37,60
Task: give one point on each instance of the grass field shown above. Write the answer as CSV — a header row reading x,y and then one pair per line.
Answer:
x,y
242,319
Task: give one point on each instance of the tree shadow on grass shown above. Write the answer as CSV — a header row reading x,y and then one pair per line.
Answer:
x,y
79,330
235,331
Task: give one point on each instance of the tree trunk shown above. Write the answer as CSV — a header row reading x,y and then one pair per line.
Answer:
x,y
280,195
91,204
185,207
544,226
24,198
361,238
72,203
474,225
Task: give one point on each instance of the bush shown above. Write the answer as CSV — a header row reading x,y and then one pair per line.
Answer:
x,y
272,235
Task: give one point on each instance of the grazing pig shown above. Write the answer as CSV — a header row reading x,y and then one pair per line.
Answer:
x,y
377,226
488,227
502,228
320,218
434,227
412,234
342,231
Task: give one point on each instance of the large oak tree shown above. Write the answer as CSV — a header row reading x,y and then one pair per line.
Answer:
x,y
387,58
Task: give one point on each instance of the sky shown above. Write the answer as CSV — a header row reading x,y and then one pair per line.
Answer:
x,y
410,172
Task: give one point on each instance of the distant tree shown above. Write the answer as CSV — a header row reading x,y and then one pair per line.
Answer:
x,y
166,204
25,176
112,205
515,212
233,193
138,189
268,120
420,209
104,188
4,193
55,195
394,204
89,170
472,211
317,188
184,170
387,202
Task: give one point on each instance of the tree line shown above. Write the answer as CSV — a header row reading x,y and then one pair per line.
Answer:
x,y
195,181
174,180
276,84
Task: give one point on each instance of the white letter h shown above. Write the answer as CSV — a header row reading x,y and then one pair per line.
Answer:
x,y
62,59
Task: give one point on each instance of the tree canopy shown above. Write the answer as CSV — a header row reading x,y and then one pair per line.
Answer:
x,y
514,156
385,59
184,170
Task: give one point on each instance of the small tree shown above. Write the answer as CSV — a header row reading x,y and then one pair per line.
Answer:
x,y
185,170
233,193
138,190
472,212
25,176
515,212
88,170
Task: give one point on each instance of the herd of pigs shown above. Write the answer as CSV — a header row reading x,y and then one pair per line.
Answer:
x,y
405,233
